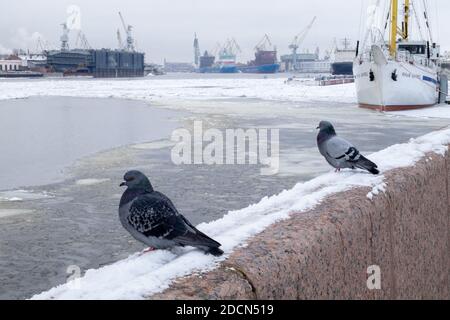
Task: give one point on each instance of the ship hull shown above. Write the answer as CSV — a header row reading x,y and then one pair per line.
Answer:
x,y
21,74
265,69
395,85
219,69
342,68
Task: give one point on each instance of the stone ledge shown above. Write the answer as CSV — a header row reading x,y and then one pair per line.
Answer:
x,y
324,253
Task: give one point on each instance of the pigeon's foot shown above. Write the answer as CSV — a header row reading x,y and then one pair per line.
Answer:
x,y
337,170
149,249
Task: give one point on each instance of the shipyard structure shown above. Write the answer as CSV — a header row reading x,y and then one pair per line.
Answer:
x,y
100,63
103,63
445,65
265,61
117,64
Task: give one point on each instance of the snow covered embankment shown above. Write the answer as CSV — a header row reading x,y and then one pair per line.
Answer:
x,y
140,276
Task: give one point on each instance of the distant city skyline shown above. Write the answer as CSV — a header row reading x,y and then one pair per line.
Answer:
x,y
164,29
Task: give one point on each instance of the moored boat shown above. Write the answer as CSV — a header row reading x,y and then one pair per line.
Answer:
x,y
402,74
219,69
265,68
265,59
342,59
226,62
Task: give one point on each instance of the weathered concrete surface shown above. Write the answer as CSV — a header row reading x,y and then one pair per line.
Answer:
x,y
324,253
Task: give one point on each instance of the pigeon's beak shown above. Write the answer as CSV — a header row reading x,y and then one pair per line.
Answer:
x,y
123,184
318,128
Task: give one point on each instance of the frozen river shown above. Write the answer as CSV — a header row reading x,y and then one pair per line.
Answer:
x,y
41,136
66,211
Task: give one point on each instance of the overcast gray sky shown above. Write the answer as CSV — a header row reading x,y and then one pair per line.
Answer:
x,y
165,28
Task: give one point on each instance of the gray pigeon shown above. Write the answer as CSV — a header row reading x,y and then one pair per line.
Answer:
x,y
150,217
340,153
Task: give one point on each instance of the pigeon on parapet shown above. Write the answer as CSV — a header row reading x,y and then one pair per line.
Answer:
x,y
151,218
340,153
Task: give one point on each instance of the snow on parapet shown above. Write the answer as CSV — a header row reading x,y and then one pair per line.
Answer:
x,y
166,89
143,275
376,190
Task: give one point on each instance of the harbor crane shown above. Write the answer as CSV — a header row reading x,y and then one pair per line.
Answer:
x,y
298,40
235,46
232,47
216,49
65,38
42,45
262,45
128,28
82,41
229,50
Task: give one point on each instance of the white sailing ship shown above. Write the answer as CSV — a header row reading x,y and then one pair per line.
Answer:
x,y
401,73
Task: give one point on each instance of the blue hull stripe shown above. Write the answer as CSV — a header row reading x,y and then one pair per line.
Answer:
x,y
425,78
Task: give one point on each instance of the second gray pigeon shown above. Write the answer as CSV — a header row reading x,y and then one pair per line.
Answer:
x,y
151,218
340,153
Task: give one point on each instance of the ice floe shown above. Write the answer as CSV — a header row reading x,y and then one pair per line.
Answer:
x,y
90,181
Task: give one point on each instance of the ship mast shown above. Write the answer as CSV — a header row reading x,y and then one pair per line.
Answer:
x,y
405,25
404,32
394,22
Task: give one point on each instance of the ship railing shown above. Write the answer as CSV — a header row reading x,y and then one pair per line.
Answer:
x,y
401,56
414,59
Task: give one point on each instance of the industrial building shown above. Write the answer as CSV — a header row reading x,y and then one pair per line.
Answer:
x,y
10,63
117,64
178,67
287,60
12,66
33,61
319,66
102,63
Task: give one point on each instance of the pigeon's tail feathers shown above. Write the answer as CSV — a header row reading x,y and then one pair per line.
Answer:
x,y
201,241
204,237
215,252
198,239
366,164
374,171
